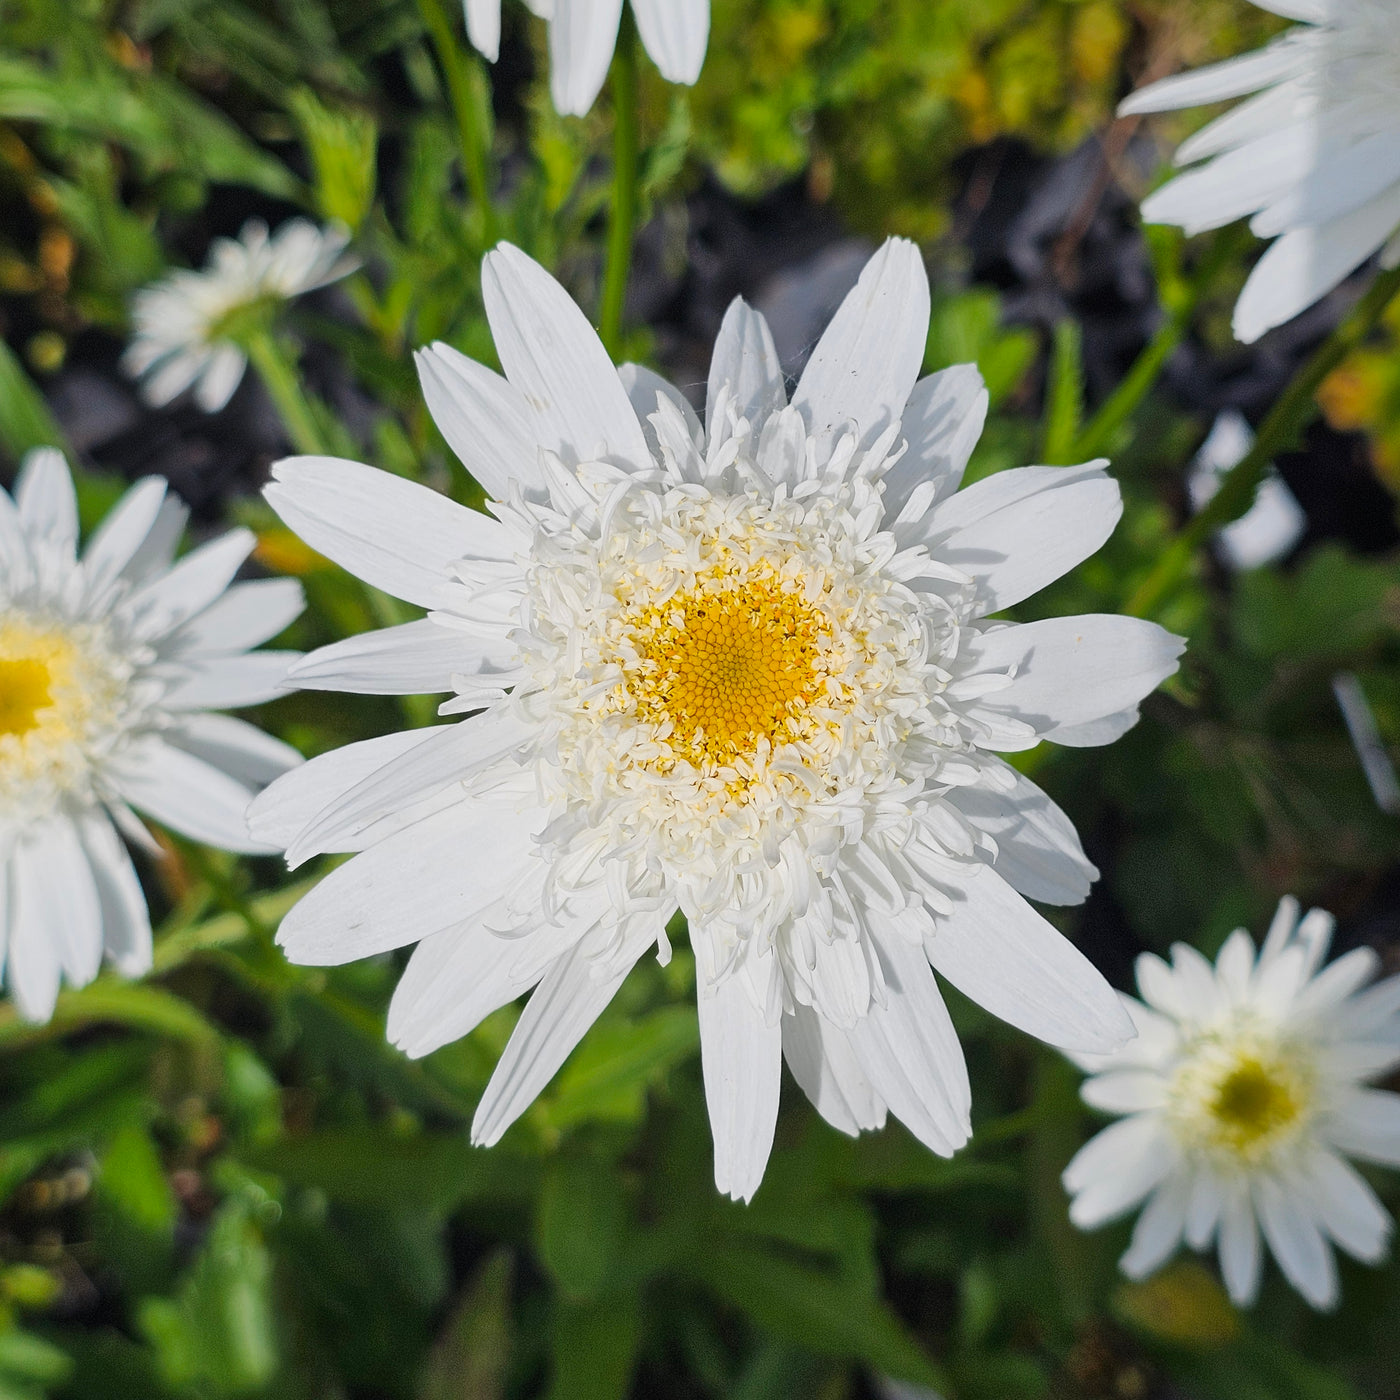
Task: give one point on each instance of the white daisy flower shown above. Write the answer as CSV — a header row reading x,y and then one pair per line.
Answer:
x,y
583,35
108,666
739,667
1245,1095
1312,158
184,322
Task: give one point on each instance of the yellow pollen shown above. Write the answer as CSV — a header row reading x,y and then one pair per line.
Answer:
x,y
1237,1098
1254,1102
24,691
732,663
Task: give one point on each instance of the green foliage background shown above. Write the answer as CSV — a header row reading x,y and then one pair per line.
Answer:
x,y
223,1183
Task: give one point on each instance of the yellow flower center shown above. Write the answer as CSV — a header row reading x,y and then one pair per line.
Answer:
x,y
60,688
729,665
1255,1102
1237,1100
24,691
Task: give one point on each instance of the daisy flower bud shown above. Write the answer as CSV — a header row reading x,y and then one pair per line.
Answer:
x,y
187,324
1312,157
109,666
1244,1095
583,35
742,667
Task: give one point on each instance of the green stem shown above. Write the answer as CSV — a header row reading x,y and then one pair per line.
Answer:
x,y
1098,435
622,226
1283,427
280,378
465,82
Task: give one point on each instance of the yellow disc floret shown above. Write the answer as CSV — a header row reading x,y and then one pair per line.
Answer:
x,y
24,691
1237,1098
729,666
61,690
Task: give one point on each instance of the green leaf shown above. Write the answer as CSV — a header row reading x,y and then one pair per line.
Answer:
x,y
138,1006
367,1166
219,1330
607,1077
595,1348
134,1181
471,1358
814,1308
1064,396
25,420
25,1357
582,1217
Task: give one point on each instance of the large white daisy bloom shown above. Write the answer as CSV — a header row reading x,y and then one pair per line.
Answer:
x,y
583,35
1245,1095
740,667
1313,157
109,664
183,322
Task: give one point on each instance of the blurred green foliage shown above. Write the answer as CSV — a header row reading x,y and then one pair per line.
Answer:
x,y
224,1183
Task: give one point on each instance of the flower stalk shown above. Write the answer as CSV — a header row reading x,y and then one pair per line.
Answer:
x,y
1285,423
622,226
465,82
284,385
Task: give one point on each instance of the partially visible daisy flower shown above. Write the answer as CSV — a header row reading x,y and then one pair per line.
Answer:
x,y
186,323
1245,1094
1313,158
742,667
109,666
583,35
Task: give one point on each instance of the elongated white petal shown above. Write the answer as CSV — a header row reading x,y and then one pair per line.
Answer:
x,y
442,763
116,540
745,361
1299,1246
1021,529
868,358
1074,669
565,1004
1233,78
32,969
126,921
192,585
997,950
828,1071
1365,1123
415,658
232,682
186,794
910,1052
457,977
1241,1257
484,27
675,34
282,812
1112,1172
247,615
554,357
1038,850
741,1056
1158,1229
393,533
942,422
242,750
582,37
484,418
412,884
48,509
1347,1208
1306,263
